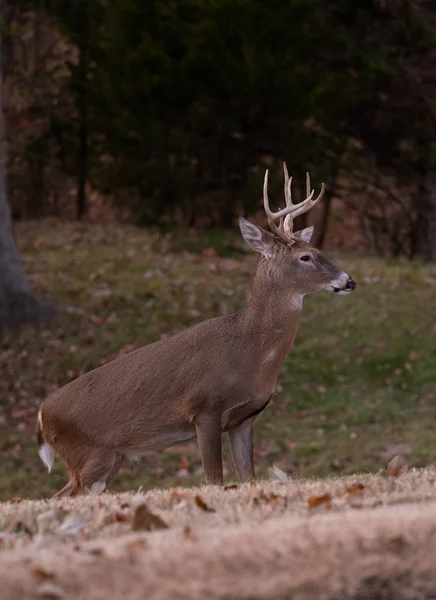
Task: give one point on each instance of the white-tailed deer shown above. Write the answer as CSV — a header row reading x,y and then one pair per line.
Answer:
x,y
212,378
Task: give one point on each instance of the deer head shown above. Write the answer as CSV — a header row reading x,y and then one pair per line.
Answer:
x,y
291,264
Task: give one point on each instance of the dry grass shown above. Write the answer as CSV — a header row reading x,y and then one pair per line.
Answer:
x,y
373,540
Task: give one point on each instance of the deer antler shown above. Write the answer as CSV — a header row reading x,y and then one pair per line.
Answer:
x,y
284,229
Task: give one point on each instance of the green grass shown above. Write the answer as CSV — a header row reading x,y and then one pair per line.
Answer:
x,y
357,388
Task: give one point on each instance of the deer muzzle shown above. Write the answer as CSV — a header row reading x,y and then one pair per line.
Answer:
x,y
339,287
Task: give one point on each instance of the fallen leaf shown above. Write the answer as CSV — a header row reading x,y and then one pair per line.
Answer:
x,y
41,572
208,252
275,500
121,516
322,500
14,362
73,524
47,521
145,520
276,474
18,526
16,500
178,496
397,466
96,551
214,267
126,349
20,414
112,516
202,504
355,488
188,533
136,543
414,357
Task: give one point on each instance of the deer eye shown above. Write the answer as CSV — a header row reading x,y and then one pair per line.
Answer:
x,y
305,258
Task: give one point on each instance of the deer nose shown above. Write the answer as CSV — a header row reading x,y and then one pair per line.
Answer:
x,y
351,284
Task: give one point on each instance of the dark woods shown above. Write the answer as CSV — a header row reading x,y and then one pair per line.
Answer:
x,y
174,109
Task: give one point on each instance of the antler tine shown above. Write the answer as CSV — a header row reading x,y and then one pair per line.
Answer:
x,y
304,206
278,216
320,195
272,215
287,186
298,209
287,224
286,174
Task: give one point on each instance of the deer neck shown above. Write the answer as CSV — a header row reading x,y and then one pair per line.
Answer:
x,y
273,315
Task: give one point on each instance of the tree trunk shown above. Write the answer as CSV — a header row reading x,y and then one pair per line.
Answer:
x,y
18,304
82,156
9,11
424,227
326,203
82,176
301,222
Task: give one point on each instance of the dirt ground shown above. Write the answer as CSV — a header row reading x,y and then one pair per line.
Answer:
x,y
372,536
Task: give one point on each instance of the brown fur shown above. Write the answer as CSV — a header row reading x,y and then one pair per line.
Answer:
x,y
213,377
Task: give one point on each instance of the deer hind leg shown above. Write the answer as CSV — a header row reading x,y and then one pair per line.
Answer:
x,y
73,486
98,468
90,470
119,459
71,489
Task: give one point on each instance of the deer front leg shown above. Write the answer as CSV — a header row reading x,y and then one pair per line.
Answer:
x,y
241,442
209,436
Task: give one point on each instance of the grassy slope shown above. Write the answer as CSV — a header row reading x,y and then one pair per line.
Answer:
x,y
372,537
357,388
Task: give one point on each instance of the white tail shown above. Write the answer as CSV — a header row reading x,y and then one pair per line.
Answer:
x,y
45,451
212,378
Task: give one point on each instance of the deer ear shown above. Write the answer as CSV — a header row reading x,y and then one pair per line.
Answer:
x,y
305,235
257,238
